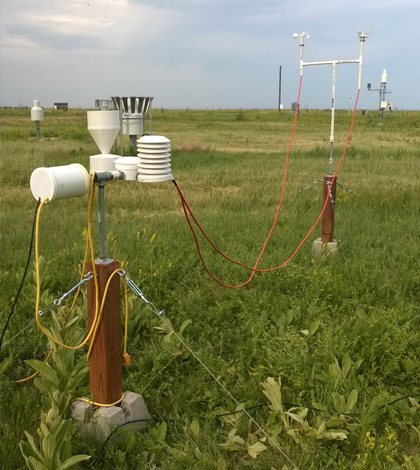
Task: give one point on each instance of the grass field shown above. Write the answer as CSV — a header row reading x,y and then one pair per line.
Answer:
x,y
342,332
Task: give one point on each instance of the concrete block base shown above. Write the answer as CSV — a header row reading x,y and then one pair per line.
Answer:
x,y
320,249
97,425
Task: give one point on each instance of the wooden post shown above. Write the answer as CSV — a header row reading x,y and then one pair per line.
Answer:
x,y
327,225
105,363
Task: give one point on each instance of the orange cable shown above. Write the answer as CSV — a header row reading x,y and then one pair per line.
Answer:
x,y
187,209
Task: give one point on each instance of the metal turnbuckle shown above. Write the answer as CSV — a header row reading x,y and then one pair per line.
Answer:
x,y
136,289
86,278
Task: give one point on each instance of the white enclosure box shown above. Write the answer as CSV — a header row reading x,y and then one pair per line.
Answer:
x,y
37,113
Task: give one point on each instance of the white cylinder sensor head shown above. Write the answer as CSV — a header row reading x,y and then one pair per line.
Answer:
x,y
37,113
60,182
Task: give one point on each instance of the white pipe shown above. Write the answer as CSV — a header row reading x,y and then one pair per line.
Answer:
x,y
332,62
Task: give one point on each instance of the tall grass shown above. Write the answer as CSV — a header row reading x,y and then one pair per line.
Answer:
x,y
230,171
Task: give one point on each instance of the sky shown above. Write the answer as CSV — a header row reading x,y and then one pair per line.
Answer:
x,y
214,54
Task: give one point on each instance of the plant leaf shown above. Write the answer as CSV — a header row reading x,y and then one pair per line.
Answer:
x,y
184,325
319,406
313,327
4,365
27,451
48,447
44,369
346,365
36,465
256,449
73,461
195,428
351,401
272,390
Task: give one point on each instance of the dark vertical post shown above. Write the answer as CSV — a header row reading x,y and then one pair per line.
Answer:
x,y
105,362
280,88
327,224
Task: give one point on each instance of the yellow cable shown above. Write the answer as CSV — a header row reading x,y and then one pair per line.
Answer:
x,y
100,404
88,237
88,244
38,286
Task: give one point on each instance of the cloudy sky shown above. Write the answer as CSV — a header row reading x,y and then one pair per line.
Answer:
x,y
205,53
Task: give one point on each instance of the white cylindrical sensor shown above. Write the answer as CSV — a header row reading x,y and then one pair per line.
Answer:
x,y
37,113
60,182
102,162
384,76
133,124
129,166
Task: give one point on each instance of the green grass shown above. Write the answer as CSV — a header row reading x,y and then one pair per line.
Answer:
x,y
229,165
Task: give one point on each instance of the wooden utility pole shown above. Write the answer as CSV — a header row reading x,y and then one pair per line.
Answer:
x,y
327,224
105,362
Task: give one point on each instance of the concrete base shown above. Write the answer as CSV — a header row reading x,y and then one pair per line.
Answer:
x,y
97,425
320,249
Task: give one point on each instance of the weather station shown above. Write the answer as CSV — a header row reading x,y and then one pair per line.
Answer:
x,y
327,240
152,165
383,104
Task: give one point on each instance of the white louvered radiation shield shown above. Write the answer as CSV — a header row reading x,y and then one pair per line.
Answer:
x,y
154,152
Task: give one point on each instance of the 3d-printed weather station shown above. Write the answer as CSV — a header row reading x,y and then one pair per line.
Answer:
x,y
151,164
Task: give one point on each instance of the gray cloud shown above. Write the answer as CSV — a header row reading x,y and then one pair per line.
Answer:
x,y
204,53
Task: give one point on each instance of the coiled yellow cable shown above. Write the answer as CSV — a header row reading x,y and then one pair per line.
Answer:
x,y
89,243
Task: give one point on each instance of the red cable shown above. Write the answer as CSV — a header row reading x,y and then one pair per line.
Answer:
x,y
187,209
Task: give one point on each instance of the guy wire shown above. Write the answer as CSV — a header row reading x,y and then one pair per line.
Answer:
x,y
273,442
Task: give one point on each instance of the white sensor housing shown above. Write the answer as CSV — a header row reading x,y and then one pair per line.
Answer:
x,y
129,166
60,182
384,76
37,113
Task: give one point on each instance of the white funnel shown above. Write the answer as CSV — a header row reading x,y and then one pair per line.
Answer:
x,y
103,127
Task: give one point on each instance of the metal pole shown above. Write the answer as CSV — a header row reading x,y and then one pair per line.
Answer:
x,y
101,214
121,131
334,68
38,134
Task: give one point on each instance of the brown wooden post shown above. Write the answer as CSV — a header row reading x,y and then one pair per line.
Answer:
x,y
327,225
105,363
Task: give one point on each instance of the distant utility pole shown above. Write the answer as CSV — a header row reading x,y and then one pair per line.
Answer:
x,y
280,89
